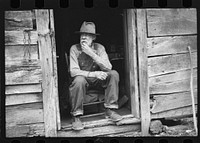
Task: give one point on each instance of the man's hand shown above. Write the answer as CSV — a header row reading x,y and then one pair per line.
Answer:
x,y
86,49
101,75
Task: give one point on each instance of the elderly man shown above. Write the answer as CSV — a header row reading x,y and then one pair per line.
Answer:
x,y
90,66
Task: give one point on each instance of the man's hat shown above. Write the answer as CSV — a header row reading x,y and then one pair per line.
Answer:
x,y
88,27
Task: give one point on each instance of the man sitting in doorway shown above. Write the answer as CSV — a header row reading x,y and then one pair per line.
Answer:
x,y
89,65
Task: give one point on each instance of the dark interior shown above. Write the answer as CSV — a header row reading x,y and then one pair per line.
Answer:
x,y
109,24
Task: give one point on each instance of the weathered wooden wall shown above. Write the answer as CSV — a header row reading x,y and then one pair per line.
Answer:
x,y
23,77
169,32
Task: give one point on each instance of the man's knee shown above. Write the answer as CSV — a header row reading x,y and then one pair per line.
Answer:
x,y
114,73
80,80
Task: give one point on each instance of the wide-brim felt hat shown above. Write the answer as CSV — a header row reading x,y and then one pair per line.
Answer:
x,y
88,27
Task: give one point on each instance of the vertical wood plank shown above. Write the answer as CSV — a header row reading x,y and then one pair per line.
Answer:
x,y
132,60
55,70
48,85
143,71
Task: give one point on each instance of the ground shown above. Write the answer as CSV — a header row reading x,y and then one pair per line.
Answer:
x,y
175,127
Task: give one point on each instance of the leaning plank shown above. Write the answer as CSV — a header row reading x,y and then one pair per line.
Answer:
x,y
162,22
31,130
16,99
171,45
47,64
26,88
24,76
185,111
18,52
18,20
24,114
143,71
177,86
169,102
99,131
132,62
17,37
171,63
171,77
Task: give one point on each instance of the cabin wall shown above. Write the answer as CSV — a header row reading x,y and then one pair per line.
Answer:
x,y
169,32
23,76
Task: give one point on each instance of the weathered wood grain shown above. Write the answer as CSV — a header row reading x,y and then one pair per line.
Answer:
x,y
162,22
170,45
17,65
16,99
17,52
31,130
24,114
99,131
48,84
166,64
143,71
17,37
55,70
169,102
171,87
132,62
171,77
27,88
174,113
102,122
24,76
18,20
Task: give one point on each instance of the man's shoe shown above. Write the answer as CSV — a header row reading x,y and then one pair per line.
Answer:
x,y
77,124
113,115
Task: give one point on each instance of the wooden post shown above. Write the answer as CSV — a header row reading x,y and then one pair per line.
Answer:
x,y
143,71
48,84
55,69
131,54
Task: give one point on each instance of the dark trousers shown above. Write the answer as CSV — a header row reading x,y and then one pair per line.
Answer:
x,y
80,84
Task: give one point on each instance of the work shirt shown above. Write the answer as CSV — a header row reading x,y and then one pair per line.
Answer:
x,y
82,64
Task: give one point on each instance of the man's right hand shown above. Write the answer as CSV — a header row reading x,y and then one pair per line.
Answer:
x,y
101,75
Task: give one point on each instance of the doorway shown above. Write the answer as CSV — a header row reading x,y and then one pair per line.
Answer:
x,y
110,24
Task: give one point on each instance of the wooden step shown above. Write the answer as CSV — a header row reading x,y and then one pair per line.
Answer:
x,y
127,119
100,131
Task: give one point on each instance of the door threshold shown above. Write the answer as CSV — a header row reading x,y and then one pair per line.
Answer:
x,y
127,119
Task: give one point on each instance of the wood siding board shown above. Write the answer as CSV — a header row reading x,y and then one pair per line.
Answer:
x,y
17,52
17,37
24,114
99,131
162,22
179,112
171,77
177,86
48,85
55,70
14,65
143,71
18,20
171,63
16,99
132,55
27,88
171,45
32,130
169,102
25,76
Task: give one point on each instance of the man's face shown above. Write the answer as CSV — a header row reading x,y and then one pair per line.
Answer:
x,y
86,38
